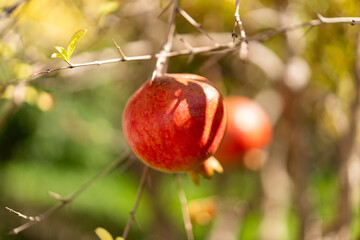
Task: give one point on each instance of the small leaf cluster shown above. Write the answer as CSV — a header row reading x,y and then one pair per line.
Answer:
x,y
65,54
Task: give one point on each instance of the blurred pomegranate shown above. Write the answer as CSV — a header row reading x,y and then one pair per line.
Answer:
x,y
248,131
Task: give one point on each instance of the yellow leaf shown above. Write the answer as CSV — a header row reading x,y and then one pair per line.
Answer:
x,y
103,234
74,39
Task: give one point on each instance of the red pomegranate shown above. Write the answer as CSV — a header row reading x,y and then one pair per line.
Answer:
x,y
175,122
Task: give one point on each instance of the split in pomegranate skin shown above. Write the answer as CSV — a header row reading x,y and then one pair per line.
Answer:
x,y
174,123
248,128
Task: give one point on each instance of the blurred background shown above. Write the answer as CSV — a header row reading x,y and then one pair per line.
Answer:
x,y
59,130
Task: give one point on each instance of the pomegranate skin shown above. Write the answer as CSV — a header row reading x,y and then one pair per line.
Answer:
x,y
175,123
248,127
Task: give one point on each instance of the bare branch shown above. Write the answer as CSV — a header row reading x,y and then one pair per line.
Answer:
x,y
137,200
68,200
312,23
184,209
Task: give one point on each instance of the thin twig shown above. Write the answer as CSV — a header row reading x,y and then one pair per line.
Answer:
x,y
184,209
123,57
194,23
71,198
137,200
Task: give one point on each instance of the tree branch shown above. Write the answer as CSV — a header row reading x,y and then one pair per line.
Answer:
x,y
33,220
312,23
230,46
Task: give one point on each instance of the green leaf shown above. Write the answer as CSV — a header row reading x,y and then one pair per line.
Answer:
x,y
74,39
103,234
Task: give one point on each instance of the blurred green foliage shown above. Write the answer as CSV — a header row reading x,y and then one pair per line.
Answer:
x,y
61,129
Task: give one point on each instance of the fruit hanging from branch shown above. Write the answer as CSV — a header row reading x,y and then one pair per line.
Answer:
x,y
249,129
174,123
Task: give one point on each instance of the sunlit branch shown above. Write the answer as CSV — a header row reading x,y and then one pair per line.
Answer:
x,y
230,46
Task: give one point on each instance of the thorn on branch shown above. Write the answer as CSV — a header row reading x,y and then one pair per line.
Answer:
x,y
58,197
320,17
123,57
136,222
